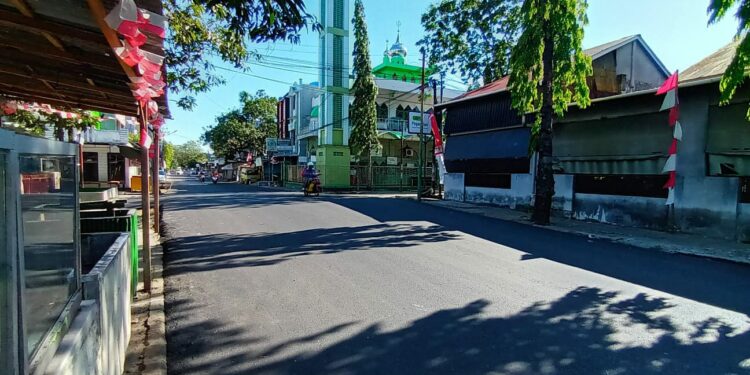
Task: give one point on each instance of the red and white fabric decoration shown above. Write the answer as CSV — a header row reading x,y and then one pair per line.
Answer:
x,y
438,147
153,23
129,54
145,140
124,19
132,23
671,103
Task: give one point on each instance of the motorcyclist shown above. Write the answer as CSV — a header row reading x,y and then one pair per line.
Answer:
x,y
202,176
309,174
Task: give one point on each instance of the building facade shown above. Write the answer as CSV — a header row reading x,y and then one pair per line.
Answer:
x,y
609,156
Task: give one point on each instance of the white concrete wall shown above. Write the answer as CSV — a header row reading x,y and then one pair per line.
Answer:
x,y
77,353
454,187
98,338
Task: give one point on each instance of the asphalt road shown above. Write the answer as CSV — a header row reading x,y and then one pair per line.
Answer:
x,y
269,282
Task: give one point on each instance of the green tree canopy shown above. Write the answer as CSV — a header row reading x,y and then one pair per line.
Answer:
x,y
364,133
202,30
471,37
549,51
189,154
168,150
736,73
245,128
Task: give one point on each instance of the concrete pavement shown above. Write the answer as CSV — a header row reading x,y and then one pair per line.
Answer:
x,y
268,282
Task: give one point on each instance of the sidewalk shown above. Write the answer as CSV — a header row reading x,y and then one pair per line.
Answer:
x,y
147,350
644,238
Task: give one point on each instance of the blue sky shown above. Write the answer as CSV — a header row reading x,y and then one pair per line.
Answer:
x,y
675,30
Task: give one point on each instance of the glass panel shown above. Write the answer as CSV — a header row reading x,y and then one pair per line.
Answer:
x,y
6,346
48,207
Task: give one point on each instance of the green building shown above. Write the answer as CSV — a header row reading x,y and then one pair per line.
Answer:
x,y
333,154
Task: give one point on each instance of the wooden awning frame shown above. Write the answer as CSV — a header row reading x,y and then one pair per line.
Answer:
x,y
49,59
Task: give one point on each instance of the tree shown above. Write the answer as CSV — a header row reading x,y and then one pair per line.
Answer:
x,y
736,72
548,52
189,154
168,150
471,37
364,133
202,30
245,128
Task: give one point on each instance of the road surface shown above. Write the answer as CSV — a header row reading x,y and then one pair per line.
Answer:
x,y
264,281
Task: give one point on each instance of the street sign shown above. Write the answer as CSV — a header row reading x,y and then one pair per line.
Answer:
x,y
416,119
272,144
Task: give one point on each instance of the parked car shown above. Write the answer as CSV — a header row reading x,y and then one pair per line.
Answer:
x,y
163,175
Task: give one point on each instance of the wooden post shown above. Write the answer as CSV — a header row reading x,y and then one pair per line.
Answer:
x,y
155,178
145,207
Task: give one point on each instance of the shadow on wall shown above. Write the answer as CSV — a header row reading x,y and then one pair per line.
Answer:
x,y
220,251
587,331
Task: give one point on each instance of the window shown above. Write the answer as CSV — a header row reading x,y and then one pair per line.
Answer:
x,y
90,166
108,125
115,167
629,185
48,193
382,111
490,180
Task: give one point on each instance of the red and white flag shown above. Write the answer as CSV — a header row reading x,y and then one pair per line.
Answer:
x,y
671,103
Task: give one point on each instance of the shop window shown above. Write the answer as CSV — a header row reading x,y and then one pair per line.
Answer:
x,y
489,180
627,185
48,193
745,190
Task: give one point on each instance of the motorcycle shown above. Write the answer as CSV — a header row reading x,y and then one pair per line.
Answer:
x,y
215,179
312,187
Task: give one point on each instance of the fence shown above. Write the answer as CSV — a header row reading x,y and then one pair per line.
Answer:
x,y
383,177
389,177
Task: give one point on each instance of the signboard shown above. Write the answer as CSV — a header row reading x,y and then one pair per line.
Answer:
x,y
391,160
272,144
415,120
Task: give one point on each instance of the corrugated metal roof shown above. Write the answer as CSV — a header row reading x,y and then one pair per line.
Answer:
x,y
713,65
501,84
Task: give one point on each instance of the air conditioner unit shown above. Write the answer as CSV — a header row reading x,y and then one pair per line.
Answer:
x,y
409,152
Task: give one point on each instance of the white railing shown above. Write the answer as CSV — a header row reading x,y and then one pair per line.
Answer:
x,y
392,124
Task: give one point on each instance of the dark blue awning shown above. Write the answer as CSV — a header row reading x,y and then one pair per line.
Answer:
x,y
501,151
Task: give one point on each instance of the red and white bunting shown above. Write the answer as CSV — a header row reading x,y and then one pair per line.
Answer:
x,y
133,23
671,103
153,23
145,140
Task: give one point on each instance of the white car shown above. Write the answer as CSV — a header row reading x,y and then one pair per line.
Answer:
x,y
162,175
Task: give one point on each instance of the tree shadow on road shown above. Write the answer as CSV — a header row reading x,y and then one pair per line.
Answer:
x,y
587,331
221,251
714,282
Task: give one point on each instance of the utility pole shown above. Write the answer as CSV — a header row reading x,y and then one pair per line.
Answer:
x,y
145,207
420,171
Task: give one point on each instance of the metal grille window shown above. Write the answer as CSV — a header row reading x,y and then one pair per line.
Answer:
x,y
337,63
337,109
338,14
